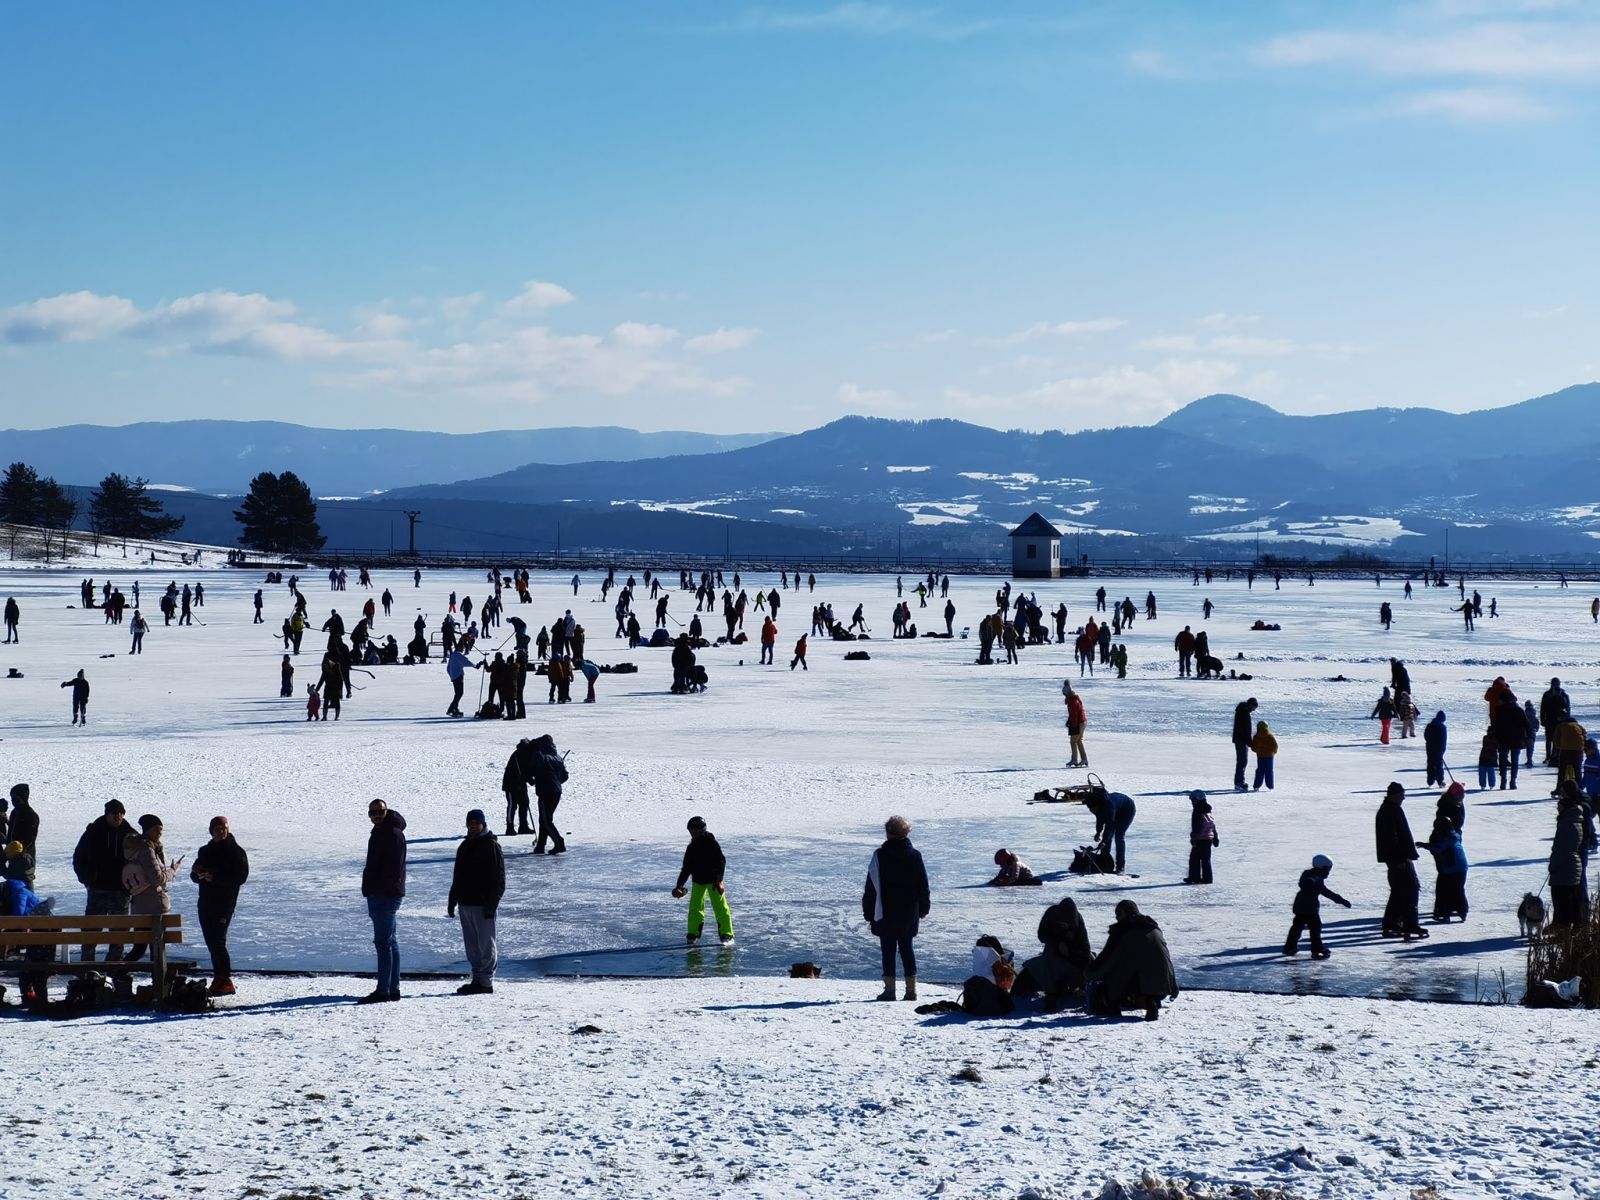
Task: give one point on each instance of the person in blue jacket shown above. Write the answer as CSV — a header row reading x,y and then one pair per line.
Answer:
x,y
1450,857
895,902
1113,813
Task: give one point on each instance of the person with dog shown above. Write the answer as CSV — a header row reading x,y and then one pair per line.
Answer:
x,y
383,884
1059,970
895,902
1397,851
221,868
1133,969
477,885
1241,740
1113,816
1308,908
1449,857
1202,838
97,861
703,867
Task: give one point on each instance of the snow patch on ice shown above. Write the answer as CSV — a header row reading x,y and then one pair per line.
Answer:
x,y
906,470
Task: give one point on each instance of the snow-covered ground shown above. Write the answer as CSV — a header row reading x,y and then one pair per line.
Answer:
x,y
737,1084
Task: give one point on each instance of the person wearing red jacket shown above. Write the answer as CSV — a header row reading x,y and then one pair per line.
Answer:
x,y
1076,720
769,639
799,655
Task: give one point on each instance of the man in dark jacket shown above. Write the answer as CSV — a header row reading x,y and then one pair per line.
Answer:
x,y
220,868
895,901
1134,969
1510,736
476,887
1434,740
1555,706
24,824
13,615
704,865
80,698
383,883
514,783
548,771
1397,850
1243,728
97,861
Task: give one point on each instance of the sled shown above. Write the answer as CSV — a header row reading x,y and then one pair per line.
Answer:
x,y
1079,793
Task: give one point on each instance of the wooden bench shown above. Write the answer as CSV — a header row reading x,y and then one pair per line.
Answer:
x,y
153,933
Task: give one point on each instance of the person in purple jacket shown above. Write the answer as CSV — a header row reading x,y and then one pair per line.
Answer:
x,y
383,883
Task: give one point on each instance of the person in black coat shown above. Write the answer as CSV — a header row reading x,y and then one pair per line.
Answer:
x,y
704,866
1435,737
24,823
1510,736
1243,730
514,783
80,698
477,886
1397,850
895,901
1555,706
547,769
220,868
97,861
383,883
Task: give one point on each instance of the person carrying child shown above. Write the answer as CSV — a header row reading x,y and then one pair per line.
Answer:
x,y
1308,908
1202,837
703,867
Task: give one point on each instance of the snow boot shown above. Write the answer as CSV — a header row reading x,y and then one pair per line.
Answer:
x,y
911,988
888,989
1321,952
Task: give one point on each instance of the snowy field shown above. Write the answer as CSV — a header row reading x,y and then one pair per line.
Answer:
x,y
745,1086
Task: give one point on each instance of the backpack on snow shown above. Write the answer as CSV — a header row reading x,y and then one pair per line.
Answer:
x,y
1090,860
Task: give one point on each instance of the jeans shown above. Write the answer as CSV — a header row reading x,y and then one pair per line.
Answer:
x,y
1400,914
385,913
699,893
214,924
105,903
1116,841
477,932
1485,776
1263,773
888,943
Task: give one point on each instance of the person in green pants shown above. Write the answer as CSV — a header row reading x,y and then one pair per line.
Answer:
x,y
703,866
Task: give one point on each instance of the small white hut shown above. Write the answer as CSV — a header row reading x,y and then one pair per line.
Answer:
x,y
1036,549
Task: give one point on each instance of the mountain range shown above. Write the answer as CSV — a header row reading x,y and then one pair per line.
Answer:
x,y
1223,471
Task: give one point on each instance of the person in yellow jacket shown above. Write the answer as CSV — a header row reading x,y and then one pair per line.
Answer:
x,y
1266,748
1568,737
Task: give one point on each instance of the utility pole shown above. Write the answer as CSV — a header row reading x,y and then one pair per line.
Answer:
x,y
413,516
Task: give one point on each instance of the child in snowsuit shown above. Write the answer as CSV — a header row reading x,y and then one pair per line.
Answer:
x,y
1013,871
1202,837
703,866
1266,748
1488,755
1308,907
286,674
313,702
1450,856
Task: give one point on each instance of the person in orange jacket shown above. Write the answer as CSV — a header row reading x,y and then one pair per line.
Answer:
x,y
799,654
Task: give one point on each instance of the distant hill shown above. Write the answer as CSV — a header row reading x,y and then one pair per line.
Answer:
x,y
223,456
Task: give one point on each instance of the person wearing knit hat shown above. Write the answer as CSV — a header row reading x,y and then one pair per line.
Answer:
x,y
97,861
476,887
220,869
703,868
24,825
1202,837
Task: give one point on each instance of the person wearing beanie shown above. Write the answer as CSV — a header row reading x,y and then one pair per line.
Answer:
x,y
1202,837
24,826
1308,908
1013,871
1435,738
220,868
383,885
703,867
97,861
147,874
895,902
80,698
476,887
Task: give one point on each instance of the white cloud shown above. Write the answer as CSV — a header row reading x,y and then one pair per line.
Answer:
x,y
1554,313
1222,320
640,336
1125,395
857,399
720,341
1180,343
859,19
1531,50
1234,343
537,296
1472,106
1048,329
384,326
70,317
936,338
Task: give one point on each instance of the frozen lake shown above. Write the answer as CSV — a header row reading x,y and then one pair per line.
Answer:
x,y
796,772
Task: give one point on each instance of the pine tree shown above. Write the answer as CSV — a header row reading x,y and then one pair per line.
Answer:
x,y
123,508
279,515
19,499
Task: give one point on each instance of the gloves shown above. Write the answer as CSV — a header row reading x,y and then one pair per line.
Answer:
x,y
1215,840
1346,903
450,911
679,893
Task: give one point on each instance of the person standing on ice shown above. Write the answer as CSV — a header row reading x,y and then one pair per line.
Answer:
x,y
13,616
258,603
1113,816
456,665
895,902
477,885
1308,908
1266,747
80,698
1435,737
1077,718
1202,838
547,768
1397,851
138,627
1510,728
1241,740
383,884
1449,856
1383,711
1554,707
220,869
703,867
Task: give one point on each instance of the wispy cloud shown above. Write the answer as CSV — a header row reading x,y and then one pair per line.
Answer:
x,y
721,341
1123,395
857,399
860,20
1472,106
1057,329
1521,50
1155,64
1553,313
537,296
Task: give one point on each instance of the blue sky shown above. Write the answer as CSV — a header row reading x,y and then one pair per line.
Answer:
x,y
759,217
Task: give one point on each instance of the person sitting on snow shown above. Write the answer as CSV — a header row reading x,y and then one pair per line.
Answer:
x,y
1013,871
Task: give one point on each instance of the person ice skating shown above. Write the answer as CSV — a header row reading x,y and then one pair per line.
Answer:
x,y
1013,871
1077,718
514,782
1133,969
97,861
1397,851
769,639
477,885
1266,748
1435,738
547,769
703,868
1449,856
1113,815
80,698
1241,740
1406,713
1059,970
286,677
13,618
383,884
138,627
895,902
1308,907
799,658
148,874
1384,712
220,869
456,666
1202,838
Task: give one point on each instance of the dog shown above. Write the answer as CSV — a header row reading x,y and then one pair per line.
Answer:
x,y
1530,914
805,970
